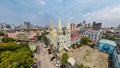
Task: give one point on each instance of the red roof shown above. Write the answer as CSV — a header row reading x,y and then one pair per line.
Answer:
x,y
74,36
74,30
110,32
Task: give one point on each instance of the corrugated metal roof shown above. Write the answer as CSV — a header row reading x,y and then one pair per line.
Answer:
x,y
105,41
118,58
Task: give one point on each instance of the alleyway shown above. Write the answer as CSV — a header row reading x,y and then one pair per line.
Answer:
x,y
43,59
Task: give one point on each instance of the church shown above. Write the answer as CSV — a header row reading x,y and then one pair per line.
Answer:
x,y
60,38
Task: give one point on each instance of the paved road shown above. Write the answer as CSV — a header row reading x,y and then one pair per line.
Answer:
x,y
43,59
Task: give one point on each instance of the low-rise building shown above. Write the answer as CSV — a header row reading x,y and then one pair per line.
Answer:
x,y
93,35
106,46
116,57
111,48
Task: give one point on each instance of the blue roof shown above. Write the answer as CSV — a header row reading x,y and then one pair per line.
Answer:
x,y
105,41
118,58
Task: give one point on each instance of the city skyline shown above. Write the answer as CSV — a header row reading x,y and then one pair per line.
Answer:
x,y
41,12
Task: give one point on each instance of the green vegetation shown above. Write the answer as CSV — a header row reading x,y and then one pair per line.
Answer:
x,y
8,46
85,40
40,37
112,38
13,55
74,46
81,66
2,33
7,39
65,58
47,32
43,37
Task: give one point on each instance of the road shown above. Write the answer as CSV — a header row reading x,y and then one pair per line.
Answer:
x,y
43,60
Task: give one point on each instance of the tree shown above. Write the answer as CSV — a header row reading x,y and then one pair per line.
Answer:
x,y
11,46
73,46
13,55
85,40
2,33
79,66
7,39
40,37
24,44
65,58
112,38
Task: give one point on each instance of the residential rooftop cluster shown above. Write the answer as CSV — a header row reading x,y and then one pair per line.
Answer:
x,y
55,41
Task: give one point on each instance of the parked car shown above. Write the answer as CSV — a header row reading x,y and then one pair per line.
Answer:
x,y
34,65
49,51
52,58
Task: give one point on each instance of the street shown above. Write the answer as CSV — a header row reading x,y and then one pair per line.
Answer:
x,y
43,60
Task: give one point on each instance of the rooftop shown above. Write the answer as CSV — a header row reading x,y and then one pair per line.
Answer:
x,y
118,58
105,41
76,36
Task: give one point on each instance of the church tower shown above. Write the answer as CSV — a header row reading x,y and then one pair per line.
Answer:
x,y
68,35
59,36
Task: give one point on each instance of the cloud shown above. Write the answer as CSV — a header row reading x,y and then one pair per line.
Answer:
x,y
41,2
106,15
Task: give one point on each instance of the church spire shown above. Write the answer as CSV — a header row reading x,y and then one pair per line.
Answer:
x,y
59,24
68,25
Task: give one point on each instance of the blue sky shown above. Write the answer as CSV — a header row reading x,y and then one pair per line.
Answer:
x,y
41,12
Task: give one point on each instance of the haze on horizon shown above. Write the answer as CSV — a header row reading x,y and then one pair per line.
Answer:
x,y
41,12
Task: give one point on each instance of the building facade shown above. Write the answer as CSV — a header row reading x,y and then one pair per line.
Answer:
x,y
116,57
96,26
60,39
93,35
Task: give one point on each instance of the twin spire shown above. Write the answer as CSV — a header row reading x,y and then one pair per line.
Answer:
x,y
60,24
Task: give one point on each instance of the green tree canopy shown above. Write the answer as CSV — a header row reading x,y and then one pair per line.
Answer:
x,y
11,46
13,55
2,33
112,38
7,39
65,58
24,44
85,40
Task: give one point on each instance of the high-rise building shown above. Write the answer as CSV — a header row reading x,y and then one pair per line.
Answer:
x,y
118,27
27,24
51,24
96,26
73,26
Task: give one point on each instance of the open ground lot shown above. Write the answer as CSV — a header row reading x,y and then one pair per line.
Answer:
x,y
89,57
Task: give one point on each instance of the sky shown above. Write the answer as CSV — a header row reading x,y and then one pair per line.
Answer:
x,y
41,12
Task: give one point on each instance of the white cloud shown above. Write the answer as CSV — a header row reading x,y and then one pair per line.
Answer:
x,y
41,2
106,15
